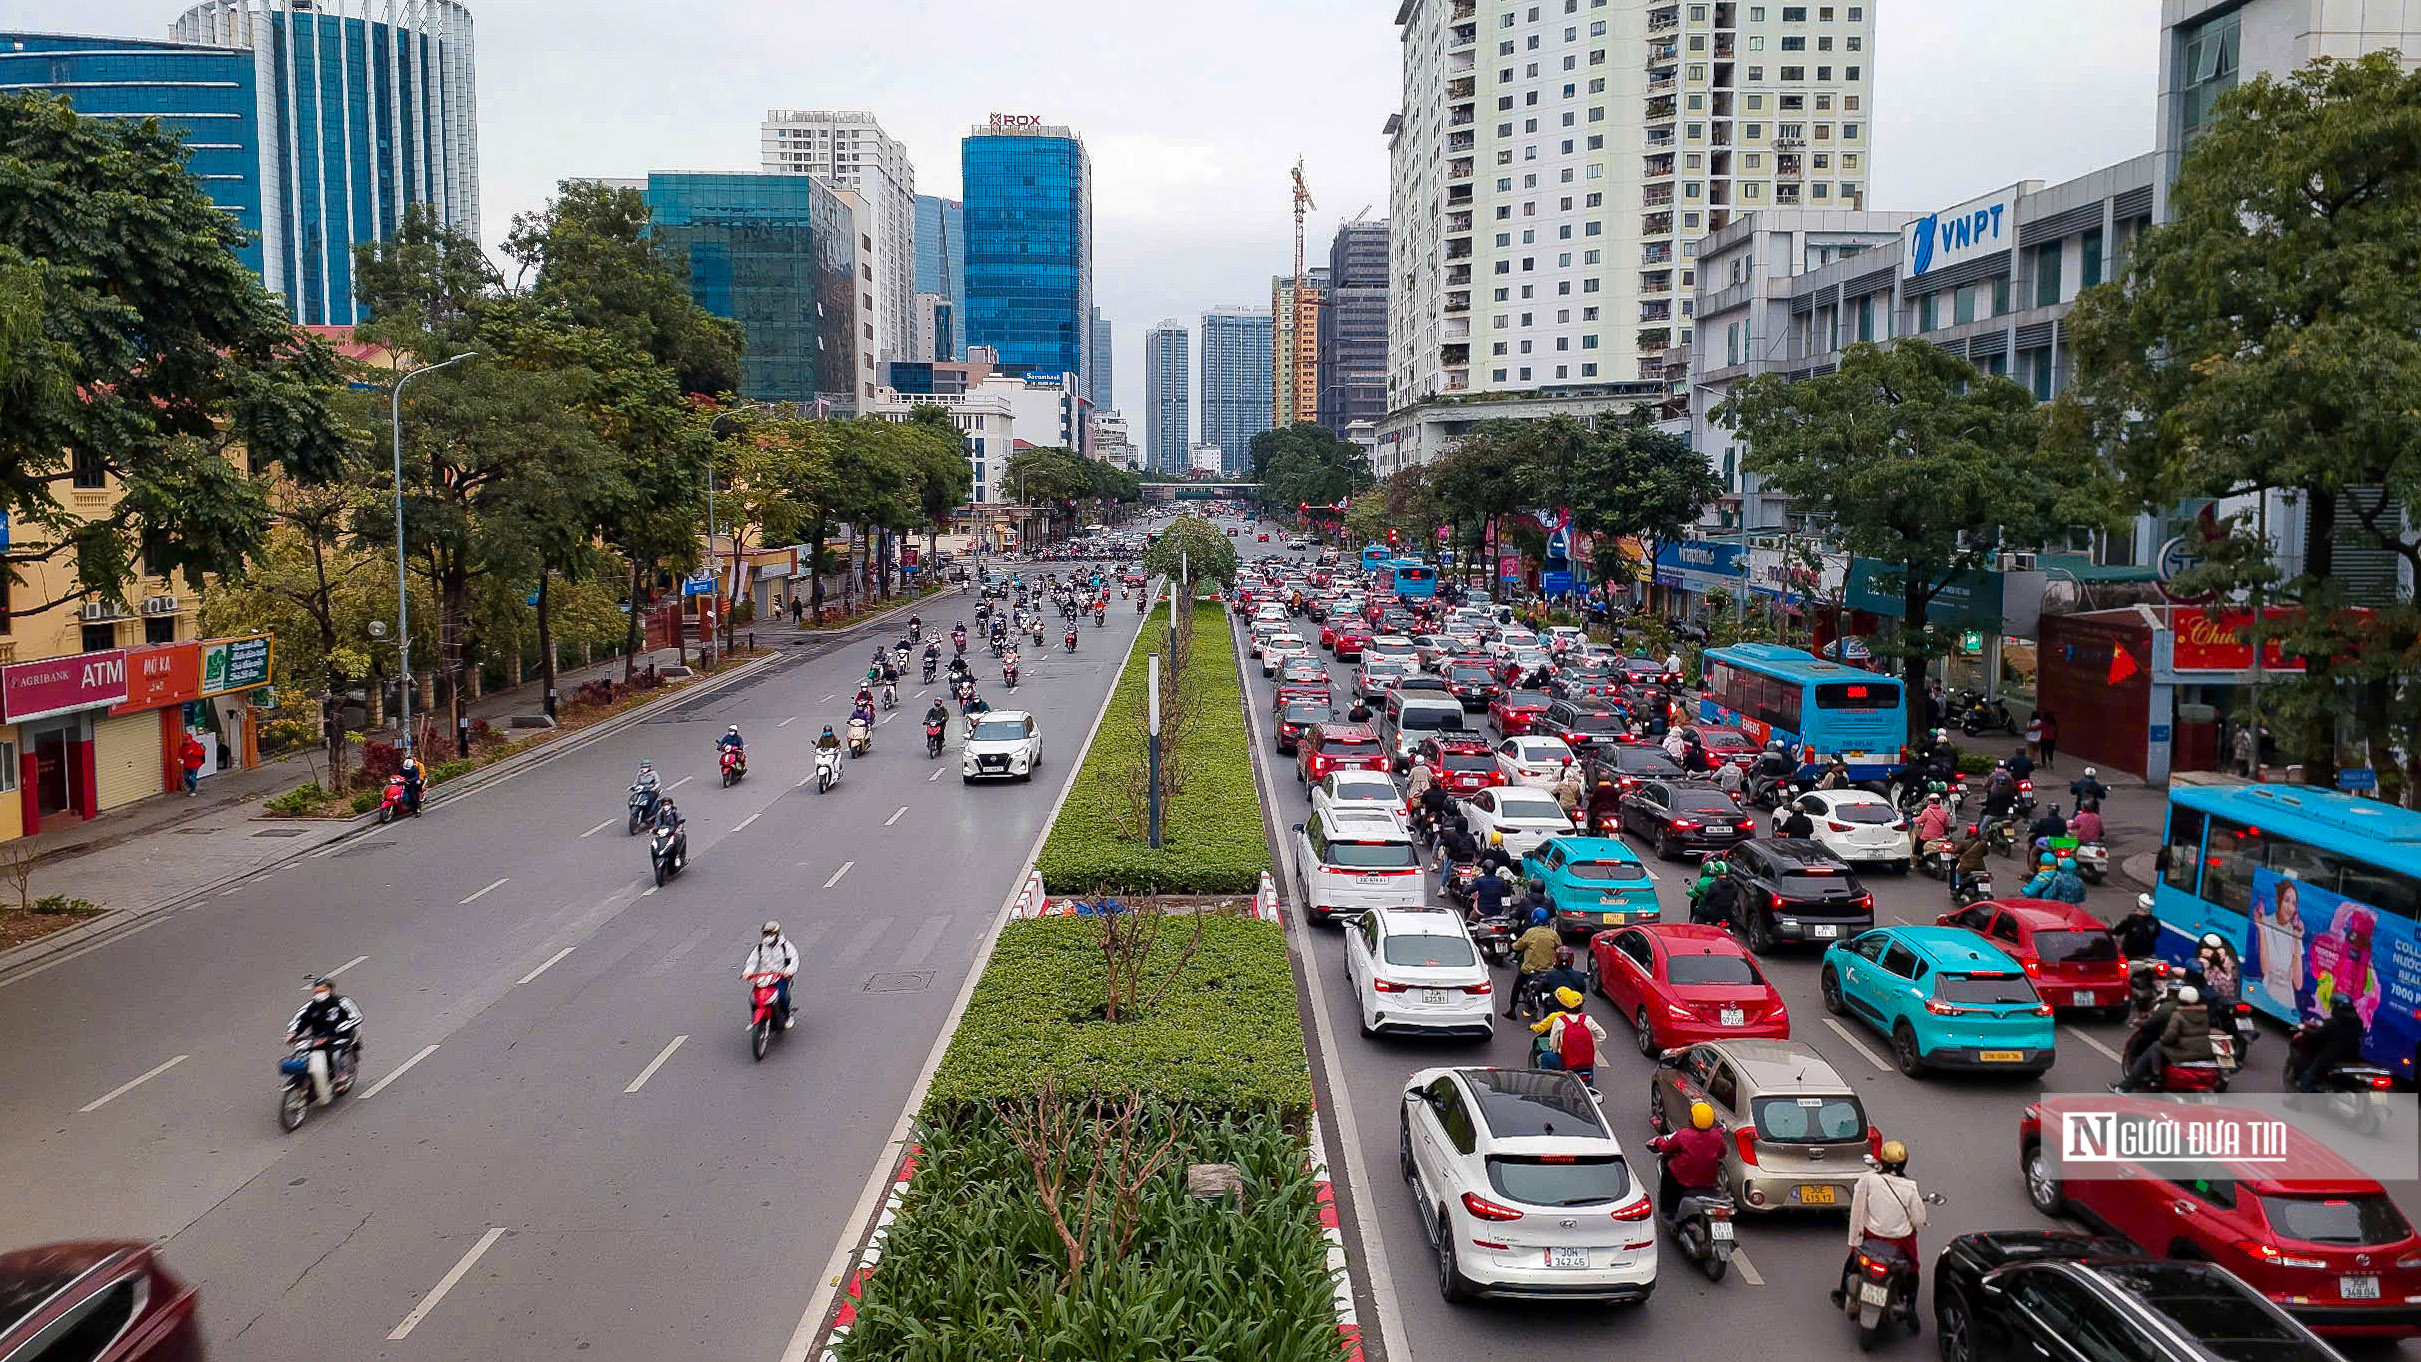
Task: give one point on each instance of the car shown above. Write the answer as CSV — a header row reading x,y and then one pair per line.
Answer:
x,y
1792,889
95,1299
2328,1247
1533,762
1678,819
1384,644
1608,775
1472,685
1860,826
1523,1189
1328,630
1409,718
1350,787
1377,675
1305,688
1945,998
1726,743
1293,717
1303,671
2072,958
1418,684
1797,1130
1005,742
1415,969
1262,632
1278,648
1433,650
1459,761
1563,638
1507,640
1526,818
1525,662
1336,746
1591,882
1679,983
1581,679
2005,1295
1513,712
1347,860
1351,639
1273,612
1582,726
1264,537
1647,671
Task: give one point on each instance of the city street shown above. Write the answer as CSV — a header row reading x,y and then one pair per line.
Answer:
x,y
559,1144
1961,1132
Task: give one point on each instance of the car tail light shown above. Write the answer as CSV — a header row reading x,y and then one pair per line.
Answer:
x,y
1838,827
1683,824
2274,1256
1479,990
1637,1210
2409,1261
1777,898
1942,1009
1745,1137
1680,1013
1484,1209
1874,1143
1389,986
2042,1009
1865,900
2028,965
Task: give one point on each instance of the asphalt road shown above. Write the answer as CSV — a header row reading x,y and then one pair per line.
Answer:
x,y
1961,1132
557,1114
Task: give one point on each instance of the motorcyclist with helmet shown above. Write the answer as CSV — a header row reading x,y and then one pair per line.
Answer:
x,y
774,954
1489,892
2185,1038
2049,825
2138,932
648,783
1884,1204
2088,790
1494,857
1797,823
1563,976
1933,822
1715,895
1690,1160
1972,853
333,1025
1534,953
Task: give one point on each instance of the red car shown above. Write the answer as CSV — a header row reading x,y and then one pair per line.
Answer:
x,y
1339,747
1679,983
2327,1246
1351,638
1328,631
1514,711
108,1300
1463,765
1725,743
1264,538
2072,958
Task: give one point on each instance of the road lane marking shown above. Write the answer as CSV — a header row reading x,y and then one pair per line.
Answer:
x,y
937,773
599,828
788,722
1856,1044
347,965
124,1088
1748,1270
397,1072
653,1065
453,1278
836,875
865,939
2107,1052
487,891
649,890
551,962
902,809
825,701
922,944
803,781
678,784
748,820
231,889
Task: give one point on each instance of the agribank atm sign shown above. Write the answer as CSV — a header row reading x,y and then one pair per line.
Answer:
x,y
1936,241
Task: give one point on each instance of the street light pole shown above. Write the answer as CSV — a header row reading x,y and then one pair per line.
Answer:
x,y
403,607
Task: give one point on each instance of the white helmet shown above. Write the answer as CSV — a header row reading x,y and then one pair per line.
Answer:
x,y
773,929
2214,941
734,730
2089,773
2187,997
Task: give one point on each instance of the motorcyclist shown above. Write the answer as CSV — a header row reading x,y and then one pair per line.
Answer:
x,y
863,711
1796,823
1558,1046
1438,804
1690,1158
1534,953
1885,1204
773,954
932,665
829,741
2138,932
332,1024
1455,845
415,780
1418,783
2066,885
1568,787
1494,856
1070,640
2049,825
1933,822
2047,869
937,713
731,741
1008,661
648,783
2021,765
2086,824
1728,776
2219,974
1488,894
2339,1041
1773,764
2185,1038
916,627
2088,790
1971,855
1836,775
1359,713
1716,905
976,708
958,668
958,636
2000,792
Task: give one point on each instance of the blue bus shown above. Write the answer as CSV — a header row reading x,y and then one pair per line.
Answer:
x,y
1375,557
2316,892
1816,708
1408,578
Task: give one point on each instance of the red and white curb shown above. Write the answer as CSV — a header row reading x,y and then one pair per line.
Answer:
x,y
1265,903
1031,900
844,1313
1349,1325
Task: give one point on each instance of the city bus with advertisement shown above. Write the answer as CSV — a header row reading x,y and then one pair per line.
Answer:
x,y
2316,891
1815,708
1374,557
1409,578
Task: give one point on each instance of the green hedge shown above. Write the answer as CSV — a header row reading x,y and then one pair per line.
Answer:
x,y
1212,841
1227,1038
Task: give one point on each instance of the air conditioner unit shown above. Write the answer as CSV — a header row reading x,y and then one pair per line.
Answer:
x,y
159,605
99,610
2021,562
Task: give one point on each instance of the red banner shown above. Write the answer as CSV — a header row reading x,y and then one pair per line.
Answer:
x,y
2225,643
61,685
161,674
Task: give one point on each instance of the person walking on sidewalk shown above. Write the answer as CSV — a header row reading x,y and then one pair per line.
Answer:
x,y
190,756
2047,744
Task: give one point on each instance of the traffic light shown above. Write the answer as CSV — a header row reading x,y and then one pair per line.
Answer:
x,y
1391,539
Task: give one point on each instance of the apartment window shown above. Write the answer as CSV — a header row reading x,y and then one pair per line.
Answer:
x,y
2000,293
1792,42
100,637
1504,49
1571,35
1690,190
1525,375
1824,15
1794,73
1532,44
1504,20
1820,188
1755,74
1596,228
88,471
1528,346
1504,267
1597,57
1849,103
1849,160
1751,190
1792,103
1529,125
1588,314
1571,63
1504,185
1698,44
1504,103
1697,14
1857,14
1855,44
1530,99
1597,29
1866,318
1794,14
1824,162
1849,132
1697,103
1756,42
1564,233
1570,89
1496,375
1563,342
1588,371
1598,86
1824,132
2047,275
1823,74
1756,14
1502,294
1694,131
1586,258
1927,312
1529,263
1503,321
2038,375
1824,44
1499,348
1731,344
2091,274
1588,286
1754,160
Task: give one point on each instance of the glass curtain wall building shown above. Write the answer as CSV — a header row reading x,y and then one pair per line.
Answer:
x,y
1239,365
1029,248
941,267
777,254
1353,328
1168,397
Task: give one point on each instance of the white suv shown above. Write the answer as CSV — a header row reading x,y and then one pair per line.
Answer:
x,y
1348,860
1359,791
1005,743
1415,969
1523,1189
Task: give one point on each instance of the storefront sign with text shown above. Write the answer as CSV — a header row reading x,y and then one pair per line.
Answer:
x,y
62,685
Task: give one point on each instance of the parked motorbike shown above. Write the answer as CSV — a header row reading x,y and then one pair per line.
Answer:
x,y
295,1099
827,768
668,853
765,1020
735,766
1702,1230
861,737
1979,715
642,808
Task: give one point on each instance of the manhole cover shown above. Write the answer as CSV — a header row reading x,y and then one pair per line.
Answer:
x,y
915,981
281,832
363,850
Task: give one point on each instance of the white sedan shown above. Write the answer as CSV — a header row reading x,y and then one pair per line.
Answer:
x,y
1855,825
1532,762
1526,817
1005,743
1279,649
1510,640
1415,969
1359,790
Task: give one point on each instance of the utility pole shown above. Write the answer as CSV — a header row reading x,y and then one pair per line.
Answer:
x,y
403,601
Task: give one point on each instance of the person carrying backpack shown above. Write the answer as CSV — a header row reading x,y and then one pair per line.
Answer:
x,y
1571,1037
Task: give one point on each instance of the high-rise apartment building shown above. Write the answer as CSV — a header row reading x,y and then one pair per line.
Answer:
x,y
1554,165
1168,397
1103,395
1237,376
1029,245
1352,372
777,254
1295,346
313,125
941,266
850,152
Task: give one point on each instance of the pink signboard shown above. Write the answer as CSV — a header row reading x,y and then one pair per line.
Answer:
x,y
62,685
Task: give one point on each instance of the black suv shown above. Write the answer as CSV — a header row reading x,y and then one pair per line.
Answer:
x,y
1795,889
2026,1295
1609,773
1582,726
1472,683
1677,818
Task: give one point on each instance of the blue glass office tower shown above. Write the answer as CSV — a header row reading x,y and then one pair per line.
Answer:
x,y
1239,371
1029,248
941,266
777,254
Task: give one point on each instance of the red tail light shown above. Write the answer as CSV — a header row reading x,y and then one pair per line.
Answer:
x,y
1484,1209
1777,898
1480,989
1837,827
1637,1210
1389,986
1875,1267
1683,824
1746,1138
2379,1081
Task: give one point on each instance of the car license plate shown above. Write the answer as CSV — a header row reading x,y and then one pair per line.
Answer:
x,y
1615,919
2083,997
1733,1016
2358,1288
1720,1231
1567,1257
1874,1293
1373,881
1434,997
1824,931
2000,1056
1812,1194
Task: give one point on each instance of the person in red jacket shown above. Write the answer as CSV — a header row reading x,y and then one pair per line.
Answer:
x,y
191,757
1692,1156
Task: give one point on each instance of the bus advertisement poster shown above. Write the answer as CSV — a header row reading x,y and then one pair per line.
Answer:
x,y
2310,945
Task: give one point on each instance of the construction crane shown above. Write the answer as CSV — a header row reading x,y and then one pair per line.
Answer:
x,y
1361,215
1303,204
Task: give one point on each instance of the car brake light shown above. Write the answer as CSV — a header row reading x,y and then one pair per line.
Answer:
x,y
2027,965
1637,1210
2042,1009
1482,989
1942,1009
1874,1143
1837,827
1746,1138
1683,824
1484,1209
1679,1013
2274,1256
1777,898
1389,986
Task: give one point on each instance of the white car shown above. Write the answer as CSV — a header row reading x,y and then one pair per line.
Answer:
x,y
1514,1210
1855,825
1262,632
1358,791
1006,743
1508,641
1353,860
1526,817
1415,969
1272,611
1529,659
1396,646
1279,649
1532,762
1562,638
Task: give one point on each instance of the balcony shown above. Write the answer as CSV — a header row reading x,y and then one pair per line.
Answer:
x,y
1458,274
1460,89
1662,84
1459,168
1656,196
1458,141
1661,311
1722,135
1458,328
1786,193
1459,248
1652,282
1664,21
1458,302
1659,254
1462,118
1464,35
1787,172
1458,195
1656,224
1663,54
1461,62
1723,46
1658,167
1466,11
1660,139
1661,110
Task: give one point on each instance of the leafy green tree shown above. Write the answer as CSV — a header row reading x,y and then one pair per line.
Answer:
x,y
1306,463
1479,482
588,256
1621,478
1923,463
1203,549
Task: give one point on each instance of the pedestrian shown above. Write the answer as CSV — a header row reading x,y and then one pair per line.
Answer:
x,y
2047,745
1935,706
2244,752
2034,735
190,757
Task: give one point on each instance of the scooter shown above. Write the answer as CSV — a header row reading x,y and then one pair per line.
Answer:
x,y
735,766
1979,715
1972,888
1702,1230
827,768
1008,675
930,669
1938,857
1038,633
668,853
1071,640
2092,861
642,808
890,696
861,737
1879,1289
295,1099
2025,798
765,1020
1494,937
396,801
933,739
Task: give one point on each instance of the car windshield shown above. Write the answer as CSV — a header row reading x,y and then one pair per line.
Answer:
x,y
1365,791
1712,969
1809,1120
1688,800
1644,761
1468,675
1373,855
1534,753
1602,721
1349,744
1459,760
2075,948
1560,1180
1431,720
1605,871
1529,808
2352,1221
1864,813
1306,714
1000,730
2009,990
1438,952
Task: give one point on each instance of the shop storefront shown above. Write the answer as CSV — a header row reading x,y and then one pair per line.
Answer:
x,y
1689,570
51,708
141,743
1991,619
2153,689
235,674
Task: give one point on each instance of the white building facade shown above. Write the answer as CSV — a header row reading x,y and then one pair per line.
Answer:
x,y
849,151
988,420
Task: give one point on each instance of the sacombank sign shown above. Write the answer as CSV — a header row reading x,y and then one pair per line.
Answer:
x,y
1937,240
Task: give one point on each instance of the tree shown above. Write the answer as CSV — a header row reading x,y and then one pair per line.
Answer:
x,y
1306,463
1205,552
588,255
1923,463
136,348
1624,477
1479,482
2267,338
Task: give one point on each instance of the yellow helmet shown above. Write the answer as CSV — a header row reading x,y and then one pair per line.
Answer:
x,y
1702,1116
1569,997
1496,839
1894,1152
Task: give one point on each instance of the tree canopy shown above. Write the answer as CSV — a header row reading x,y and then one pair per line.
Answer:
x,y
1207,553
1307,464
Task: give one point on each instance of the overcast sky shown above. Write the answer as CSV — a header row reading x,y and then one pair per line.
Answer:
x,y
1193,113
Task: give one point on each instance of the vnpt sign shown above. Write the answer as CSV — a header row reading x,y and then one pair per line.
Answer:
x,y
1938,240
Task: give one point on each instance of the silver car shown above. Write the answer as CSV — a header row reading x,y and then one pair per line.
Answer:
x,y
1810,1130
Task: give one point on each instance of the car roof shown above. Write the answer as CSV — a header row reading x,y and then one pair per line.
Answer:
x,y
1595,849
1459,742
1423,919
1007,714
1693,938
2000,1248
1781,1065
1850,797
2042,914
1953,948
1348,732
1542,739
1362,818
1538,698
1534,1103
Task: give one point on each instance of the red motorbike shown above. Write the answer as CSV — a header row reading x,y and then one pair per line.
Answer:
x,y
764,1012
397,802
735,765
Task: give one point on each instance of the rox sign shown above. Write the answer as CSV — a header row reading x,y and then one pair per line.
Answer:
x,y
1014,122
1978,227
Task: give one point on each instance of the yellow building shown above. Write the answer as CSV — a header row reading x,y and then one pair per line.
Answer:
x,y
1295,339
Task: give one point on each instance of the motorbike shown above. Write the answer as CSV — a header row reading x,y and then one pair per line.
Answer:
x,y
1071,640
1038,633
2351,1078
735,766
861,737
2147,980
765,1020
1938,857
1702,1230
668,853
1008,675
396,802
930,670
2025,798
899,657
1767,792
2002,836
1494,937
890,696
295,1098
933,738
959,642
1464,875
1101,616
2092,861
1879,1289
1979,715
1141,603
642,808
1972,888
916,632
827,768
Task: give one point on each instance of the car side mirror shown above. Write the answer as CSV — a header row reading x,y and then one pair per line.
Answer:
x,y
1671,1059
1298,827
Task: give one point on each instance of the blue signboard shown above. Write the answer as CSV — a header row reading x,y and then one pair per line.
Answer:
x,y
2357,778
698,586
2157,733
1698,565
1555,584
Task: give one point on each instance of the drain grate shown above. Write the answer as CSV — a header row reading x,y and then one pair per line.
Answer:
x,y
281,832
363,850
915,981
198,832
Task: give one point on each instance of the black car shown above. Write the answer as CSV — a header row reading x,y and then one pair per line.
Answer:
x,y
1795,889
1647,671
1583,727
1297,715
2028,1295
1608,773
1677,818
1473,684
